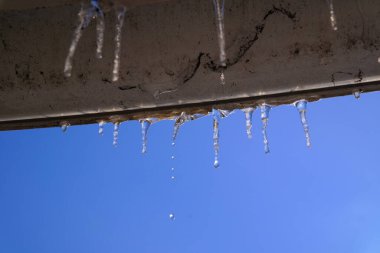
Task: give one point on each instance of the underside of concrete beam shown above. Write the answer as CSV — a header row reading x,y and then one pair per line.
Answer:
x,y
277,52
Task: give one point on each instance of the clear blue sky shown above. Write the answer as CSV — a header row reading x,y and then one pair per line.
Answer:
x,y
75,192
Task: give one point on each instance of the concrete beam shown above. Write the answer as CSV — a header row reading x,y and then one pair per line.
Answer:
x,y
278,52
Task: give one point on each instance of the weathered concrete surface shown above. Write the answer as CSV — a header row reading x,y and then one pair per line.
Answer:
x,y
278,52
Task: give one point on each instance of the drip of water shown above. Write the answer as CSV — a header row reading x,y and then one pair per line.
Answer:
x,y
172,216
116,133
216,118
119,25
85,16
145,124
333,22
101,127
219,14
64,126
248,120
302,108
265,109
100,28
357,94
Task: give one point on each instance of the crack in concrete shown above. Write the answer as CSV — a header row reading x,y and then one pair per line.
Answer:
x,y
250,41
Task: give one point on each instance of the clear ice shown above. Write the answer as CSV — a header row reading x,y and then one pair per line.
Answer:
x,y
64,126
180,120
116,133
85,16
333,22
145,124
265,109
248,120
302,108
101,127
119,25
216,118
357,94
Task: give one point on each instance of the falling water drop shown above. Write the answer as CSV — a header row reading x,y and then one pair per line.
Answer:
x,y
116,133
172,216
333,21
101,127
219,15
64,126
357,94
216,117
265,109
248,120
302,108
145,124
172,178
85,16
119,25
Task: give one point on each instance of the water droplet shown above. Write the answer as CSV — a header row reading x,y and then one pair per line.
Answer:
x,y
101,127
65,126
172,216
173,157
248,120
302,108
172,177
357,94
116,133
333,21
265,109
119,25
172,169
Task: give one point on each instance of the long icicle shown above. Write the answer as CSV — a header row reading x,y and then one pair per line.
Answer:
x,y
85,16
119,26
302,108
265,109
333,21
248,120
216,118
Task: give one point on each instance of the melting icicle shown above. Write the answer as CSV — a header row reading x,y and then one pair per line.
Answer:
x,y
116,133
119,26
357,94
302,108
219,14
64,126
101,127
85,16
265,109
145,124
333,22
180,120
248,120
100,28
216,117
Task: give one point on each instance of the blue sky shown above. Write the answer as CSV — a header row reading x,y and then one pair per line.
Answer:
x,y
75,192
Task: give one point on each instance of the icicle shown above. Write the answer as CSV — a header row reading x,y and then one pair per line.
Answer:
x,y
119,26
101,127
333,22
100,29
116,133
225,113
302,108
145,124
216,117
219,14
180,120
64,126
248,120
357,94
265,109
85,16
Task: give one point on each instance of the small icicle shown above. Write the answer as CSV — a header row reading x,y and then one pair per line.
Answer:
x,y
85,16
101,127
64,126
119,25
265,109
248,120
145,124
357,94
333,21
100,29
302,108
219,14
216,118
180,120
116,133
